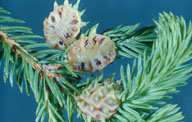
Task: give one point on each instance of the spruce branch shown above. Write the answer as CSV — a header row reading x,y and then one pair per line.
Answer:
x,y
33,68
160,73
23,53
22,60
153,78
149,82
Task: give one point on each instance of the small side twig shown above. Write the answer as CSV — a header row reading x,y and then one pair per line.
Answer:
x,y
36,66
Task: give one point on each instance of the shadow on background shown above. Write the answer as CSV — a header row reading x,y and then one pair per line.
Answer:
x,y
17,107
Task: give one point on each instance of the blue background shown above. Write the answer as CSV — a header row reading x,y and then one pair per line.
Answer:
x,y
17,107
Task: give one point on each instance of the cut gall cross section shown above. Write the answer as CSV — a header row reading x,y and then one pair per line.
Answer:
x,y
91,53
63,25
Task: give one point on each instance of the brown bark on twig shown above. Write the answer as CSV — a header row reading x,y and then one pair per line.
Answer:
x,y
12,43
